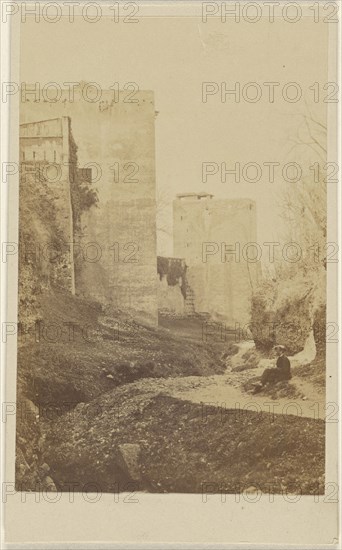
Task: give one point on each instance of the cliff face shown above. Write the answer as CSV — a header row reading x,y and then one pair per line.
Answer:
x,y
44,250
44,267
287,311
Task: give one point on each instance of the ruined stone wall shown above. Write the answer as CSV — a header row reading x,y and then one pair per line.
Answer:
x,y
45,171
117,246
42,141
222,282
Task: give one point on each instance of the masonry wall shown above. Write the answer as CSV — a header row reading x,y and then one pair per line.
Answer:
x,y
222,284
45,168
115,138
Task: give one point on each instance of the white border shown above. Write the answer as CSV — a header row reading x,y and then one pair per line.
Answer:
x,y
184,505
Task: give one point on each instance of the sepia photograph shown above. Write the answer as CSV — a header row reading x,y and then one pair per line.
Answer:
x,y
176,232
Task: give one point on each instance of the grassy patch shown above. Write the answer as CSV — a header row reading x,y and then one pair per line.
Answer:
x,y
278,390
314,372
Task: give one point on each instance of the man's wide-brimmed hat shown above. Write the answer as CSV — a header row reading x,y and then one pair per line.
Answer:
x,y
279,346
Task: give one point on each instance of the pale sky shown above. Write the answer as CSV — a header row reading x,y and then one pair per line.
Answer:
x,y
173,56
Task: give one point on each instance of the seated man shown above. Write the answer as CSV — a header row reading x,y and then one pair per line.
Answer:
x,y
283,363
281,372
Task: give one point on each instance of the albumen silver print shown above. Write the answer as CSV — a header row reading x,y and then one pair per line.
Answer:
x,y
173,258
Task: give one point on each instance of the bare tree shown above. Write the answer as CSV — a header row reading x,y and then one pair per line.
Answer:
x,y
304,204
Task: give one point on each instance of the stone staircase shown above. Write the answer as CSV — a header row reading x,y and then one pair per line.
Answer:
x,y
189,304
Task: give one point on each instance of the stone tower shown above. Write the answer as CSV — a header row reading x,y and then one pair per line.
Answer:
x,y
213,236
117,241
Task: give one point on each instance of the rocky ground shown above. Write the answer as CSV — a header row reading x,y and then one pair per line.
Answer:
x,y
177,446
186,420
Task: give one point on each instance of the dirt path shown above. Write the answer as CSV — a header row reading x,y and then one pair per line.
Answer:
x,y
220,391
224,391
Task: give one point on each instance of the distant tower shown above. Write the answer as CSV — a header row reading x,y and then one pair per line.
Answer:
x,y
213,236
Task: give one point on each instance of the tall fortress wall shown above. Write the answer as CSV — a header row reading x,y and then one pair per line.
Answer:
x,y
115,140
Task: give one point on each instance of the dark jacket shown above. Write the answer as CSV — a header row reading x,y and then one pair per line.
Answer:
x,y
284,364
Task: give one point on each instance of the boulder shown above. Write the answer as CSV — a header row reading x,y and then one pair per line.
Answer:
x,y
127,458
